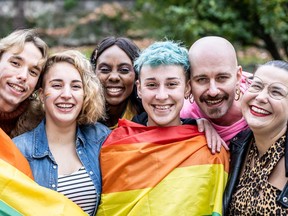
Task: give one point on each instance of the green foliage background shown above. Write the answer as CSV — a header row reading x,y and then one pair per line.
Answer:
x,y
260,23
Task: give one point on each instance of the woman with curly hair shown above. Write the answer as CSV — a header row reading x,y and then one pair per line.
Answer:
x,y
63,149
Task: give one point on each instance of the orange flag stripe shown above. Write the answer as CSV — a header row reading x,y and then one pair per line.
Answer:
x,y
123,165
11,154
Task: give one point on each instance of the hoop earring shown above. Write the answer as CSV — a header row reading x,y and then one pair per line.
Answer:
x,y
190,98
237,94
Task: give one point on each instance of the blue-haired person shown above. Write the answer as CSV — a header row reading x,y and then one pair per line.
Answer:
x,y
160,164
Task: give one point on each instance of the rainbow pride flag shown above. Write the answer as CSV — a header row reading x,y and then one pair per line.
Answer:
x,y
11,154
20,195
161,171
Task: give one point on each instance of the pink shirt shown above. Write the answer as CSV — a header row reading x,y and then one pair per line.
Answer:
x,y
226,132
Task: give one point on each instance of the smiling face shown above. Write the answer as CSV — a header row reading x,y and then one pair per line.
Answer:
x,y
62,94
262,112
162,90
213,87
115,71
19,74
214,77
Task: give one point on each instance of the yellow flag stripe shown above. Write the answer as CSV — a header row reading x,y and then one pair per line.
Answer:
x,y
27,197
185,191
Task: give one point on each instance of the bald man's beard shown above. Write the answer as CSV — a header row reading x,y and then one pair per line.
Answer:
x,y
215,113
209,102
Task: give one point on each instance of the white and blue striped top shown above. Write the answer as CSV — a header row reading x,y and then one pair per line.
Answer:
x,y
79,188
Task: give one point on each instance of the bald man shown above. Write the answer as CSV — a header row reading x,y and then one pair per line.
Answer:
x,y
217,86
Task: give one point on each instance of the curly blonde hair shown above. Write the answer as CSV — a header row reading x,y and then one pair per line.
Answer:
x,y
94,102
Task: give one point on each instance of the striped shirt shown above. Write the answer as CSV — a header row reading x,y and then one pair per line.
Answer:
x,y
79,188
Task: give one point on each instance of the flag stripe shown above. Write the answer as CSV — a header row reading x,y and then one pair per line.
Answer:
x,y
156,159
11,154
6,210
171,173
174,192
149,134
28,198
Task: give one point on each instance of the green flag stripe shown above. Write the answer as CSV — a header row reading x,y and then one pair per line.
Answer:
x,y
6,210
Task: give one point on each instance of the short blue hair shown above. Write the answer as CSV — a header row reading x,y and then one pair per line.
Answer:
x,y
163,53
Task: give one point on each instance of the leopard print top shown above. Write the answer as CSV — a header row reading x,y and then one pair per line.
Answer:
x,y
254,195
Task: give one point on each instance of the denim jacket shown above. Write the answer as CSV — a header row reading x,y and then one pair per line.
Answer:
x,y
89,139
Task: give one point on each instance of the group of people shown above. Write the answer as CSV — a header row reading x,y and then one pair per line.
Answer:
x,y
134,132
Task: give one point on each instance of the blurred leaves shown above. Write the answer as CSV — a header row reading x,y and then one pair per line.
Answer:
x,y
259,23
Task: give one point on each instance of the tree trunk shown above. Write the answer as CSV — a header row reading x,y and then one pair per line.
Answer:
x,y
268,40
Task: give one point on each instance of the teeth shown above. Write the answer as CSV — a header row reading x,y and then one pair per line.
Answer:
x,y
260,111
213,101
17,88
64,106
163,107
114,89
